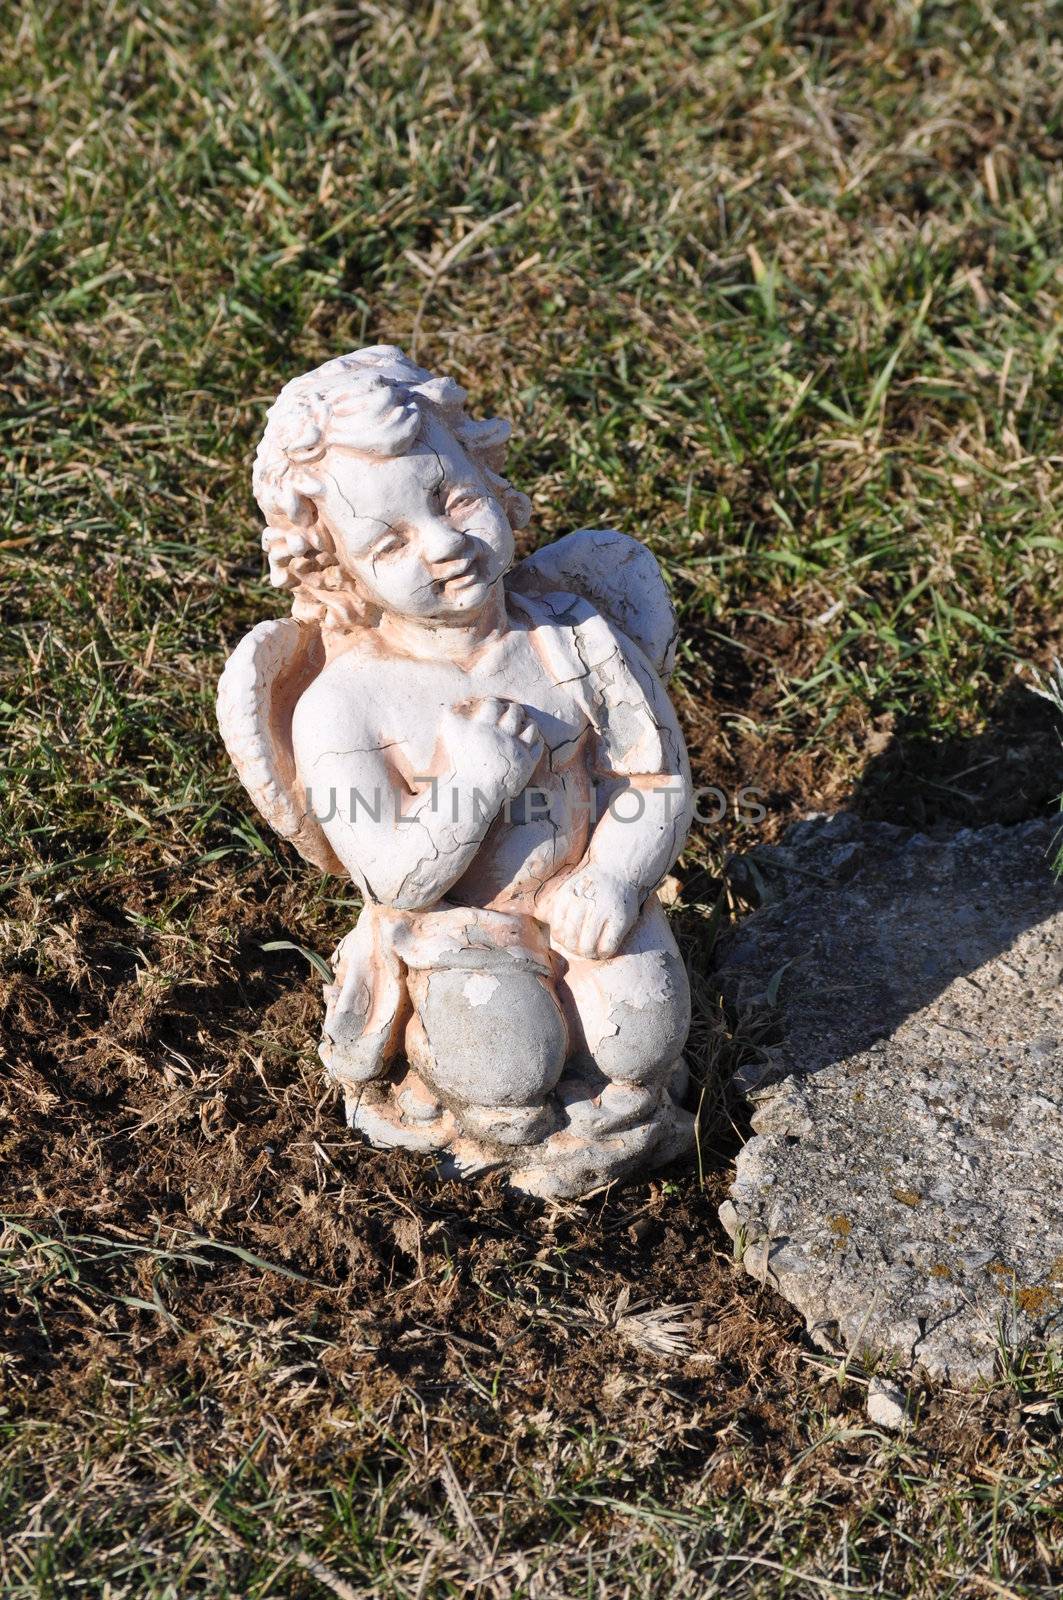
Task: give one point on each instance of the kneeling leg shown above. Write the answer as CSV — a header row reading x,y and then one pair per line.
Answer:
x,y
492,1045
628,1018
629,1015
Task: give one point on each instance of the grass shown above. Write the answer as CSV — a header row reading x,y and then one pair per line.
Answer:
x,y
776,288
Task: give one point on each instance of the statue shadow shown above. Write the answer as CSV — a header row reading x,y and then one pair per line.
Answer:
x,y
1011,771
863,919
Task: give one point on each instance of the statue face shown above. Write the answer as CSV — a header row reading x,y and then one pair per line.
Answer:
x,y
420,533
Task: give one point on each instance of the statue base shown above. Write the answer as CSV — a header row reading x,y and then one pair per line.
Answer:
x,y
584,1138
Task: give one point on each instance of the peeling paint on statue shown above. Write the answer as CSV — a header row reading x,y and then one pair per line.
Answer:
x,y
490,757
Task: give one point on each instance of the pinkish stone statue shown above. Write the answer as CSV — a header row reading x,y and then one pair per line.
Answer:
x,y
488,754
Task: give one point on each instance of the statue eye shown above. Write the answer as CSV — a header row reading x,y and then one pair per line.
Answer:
x,y
388,546
461,501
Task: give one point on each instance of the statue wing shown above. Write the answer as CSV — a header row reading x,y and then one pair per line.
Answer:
x,y
257,695
619,575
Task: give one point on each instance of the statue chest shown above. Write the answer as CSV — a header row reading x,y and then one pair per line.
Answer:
x,y
417,697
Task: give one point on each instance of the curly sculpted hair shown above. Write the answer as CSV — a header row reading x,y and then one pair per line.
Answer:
x,y
375,401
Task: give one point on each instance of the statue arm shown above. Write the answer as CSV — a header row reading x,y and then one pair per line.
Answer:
x,y
645,805
399,844
407,837
645,791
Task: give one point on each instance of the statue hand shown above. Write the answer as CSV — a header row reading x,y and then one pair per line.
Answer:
x,y
494,740
591,912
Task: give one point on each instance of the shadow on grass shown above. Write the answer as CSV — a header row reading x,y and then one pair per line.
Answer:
x,y
1009,772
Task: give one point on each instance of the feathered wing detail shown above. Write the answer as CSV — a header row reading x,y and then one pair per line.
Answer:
x,y
619,575
257,695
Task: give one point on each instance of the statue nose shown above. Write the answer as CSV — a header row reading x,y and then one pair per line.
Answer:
x,y
440,540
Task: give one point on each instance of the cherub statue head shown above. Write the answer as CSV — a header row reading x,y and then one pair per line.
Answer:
x,y
382,496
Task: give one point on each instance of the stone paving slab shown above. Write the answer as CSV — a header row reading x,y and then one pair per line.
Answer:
x,y
904,1185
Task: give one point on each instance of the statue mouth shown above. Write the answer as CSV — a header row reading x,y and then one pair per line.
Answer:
x,y
457,575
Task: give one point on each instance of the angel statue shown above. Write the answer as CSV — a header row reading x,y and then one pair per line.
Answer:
x,y
487,752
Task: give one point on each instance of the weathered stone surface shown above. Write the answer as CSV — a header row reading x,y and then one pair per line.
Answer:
x,y
905,1185
887,1405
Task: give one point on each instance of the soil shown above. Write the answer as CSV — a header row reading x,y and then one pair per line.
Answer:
x,y
165,1088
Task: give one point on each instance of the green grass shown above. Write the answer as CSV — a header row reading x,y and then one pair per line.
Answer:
x,y
776,288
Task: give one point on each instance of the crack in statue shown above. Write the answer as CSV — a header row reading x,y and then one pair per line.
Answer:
x,y
511,995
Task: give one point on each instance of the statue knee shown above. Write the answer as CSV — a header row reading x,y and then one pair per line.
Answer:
x,y
487,1038
645,1044
635,1032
